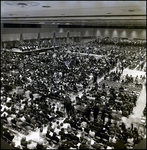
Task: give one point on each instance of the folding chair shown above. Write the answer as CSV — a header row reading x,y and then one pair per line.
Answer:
x,y
7,140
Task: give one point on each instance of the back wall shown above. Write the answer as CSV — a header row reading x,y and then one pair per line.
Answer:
x,y
10,34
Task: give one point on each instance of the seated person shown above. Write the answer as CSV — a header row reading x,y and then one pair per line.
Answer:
x,y
83,124
54,137
57,130
31,145
59,113
39,146
24,142
121,89
83,145
92,133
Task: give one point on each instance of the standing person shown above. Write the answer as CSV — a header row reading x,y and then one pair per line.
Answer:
x,y
95,77
103,115
132,126
122,68
88,112
67,105
95,111
109,117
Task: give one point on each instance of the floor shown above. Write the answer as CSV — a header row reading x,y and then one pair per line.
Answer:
x,y
135,117
133,72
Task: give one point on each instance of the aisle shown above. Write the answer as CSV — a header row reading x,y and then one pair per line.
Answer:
x,y
141,102
135,117
86,54
134,72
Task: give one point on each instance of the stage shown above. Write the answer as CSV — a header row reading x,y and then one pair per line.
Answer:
x,y
16,50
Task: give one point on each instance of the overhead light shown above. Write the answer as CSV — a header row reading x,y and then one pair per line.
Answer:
x,y
67,23
22,3
46,6
53,22
130,10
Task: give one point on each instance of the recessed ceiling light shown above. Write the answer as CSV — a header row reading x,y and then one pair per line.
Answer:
x,y
130,10
46,6
22,4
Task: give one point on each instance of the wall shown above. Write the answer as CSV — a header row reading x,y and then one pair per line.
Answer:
x,y
14,33
124,33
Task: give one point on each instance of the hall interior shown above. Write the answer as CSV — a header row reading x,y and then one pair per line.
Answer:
x,y
73,74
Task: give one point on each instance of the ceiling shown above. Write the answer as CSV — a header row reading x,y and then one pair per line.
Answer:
x,y
100,13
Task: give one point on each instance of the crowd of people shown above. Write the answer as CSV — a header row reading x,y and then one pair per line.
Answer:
x,y
89,121
28,45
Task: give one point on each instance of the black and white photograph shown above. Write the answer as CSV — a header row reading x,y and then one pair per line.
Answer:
x,y
73,75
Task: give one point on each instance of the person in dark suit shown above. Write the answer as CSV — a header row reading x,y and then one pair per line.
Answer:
x,y
87,112
95,77
61,146
39,146
95,111
48,134
103,115
62,133
123,126
54,137
83,145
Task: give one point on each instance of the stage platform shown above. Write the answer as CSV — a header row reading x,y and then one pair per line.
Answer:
x,y
16,50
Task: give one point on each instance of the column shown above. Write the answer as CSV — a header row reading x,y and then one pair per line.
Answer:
x,y
1,44
54,38
38,38
21,37
67,39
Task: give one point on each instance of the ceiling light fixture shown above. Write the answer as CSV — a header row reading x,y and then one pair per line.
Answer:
x,y
46,6
130,10
22,4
